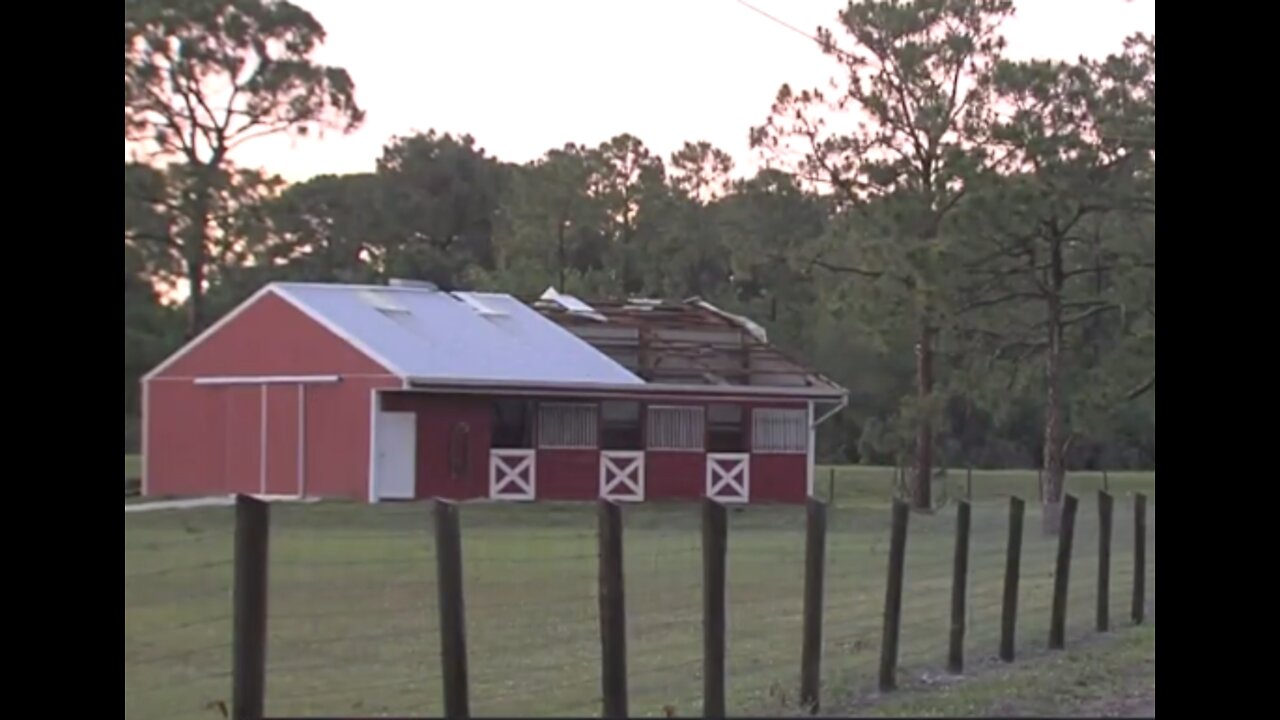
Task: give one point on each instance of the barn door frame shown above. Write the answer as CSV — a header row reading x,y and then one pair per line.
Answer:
x,y
376,412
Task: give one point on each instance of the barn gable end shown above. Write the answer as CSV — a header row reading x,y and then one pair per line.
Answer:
x,y
268,335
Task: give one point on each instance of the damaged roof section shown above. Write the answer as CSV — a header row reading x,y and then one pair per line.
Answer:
x,y
690,342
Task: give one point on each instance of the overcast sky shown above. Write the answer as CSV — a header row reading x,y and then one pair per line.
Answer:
x,y
524,76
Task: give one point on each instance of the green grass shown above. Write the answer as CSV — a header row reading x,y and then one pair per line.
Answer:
x,y
1104,677
352,619
862,486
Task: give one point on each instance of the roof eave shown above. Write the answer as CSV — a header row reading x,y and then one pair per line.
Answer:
x,y
832,392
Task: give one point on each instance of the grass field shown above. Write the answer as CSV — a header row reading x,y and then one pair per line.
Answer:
x,y
352,618
1107,676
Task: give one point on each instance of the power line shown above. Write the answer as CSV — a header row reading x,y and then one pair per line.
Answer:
x,y
844,54
779,21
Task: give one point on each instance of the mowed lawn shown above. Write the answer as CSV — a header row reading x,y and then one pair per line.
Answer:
x,y
353,617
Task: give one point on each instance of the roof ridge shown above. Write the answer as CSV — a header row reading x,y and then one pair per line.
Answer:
x,y
388,288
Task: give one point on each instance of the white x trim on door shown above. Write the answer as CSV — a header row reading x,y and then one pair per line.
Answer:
x,y
729,477
622,475
512,475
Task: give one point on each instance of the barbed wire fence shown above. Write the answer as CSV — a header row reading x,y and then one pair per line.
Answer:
x,y
765,618
533,637
353,616
853,612
177,613
662,560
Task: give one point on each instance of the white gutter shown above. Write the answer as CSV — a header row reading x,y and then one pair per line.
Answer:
x,y
844,402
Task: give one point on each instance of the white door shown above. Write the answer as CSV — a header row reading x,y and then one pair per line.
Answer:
x,y
396,441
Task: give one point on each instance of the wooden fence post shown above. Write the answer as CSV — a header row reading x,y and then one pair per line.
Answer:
x,y
893,596
1012,569
1139,558
1105,505
831,486
249,639
1062,575
815,551
453,624
613,617
959,588
715,542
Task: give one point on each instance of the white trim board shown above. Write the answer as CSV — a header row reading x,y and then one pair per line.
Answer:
x,y
374,407
302,440
262,443
810,470
142,442
265,379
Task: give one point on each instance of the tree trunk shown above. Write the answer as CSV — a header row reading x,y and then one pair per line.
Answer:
x,y
560,256
921,486
1054,432
1054,440
196,257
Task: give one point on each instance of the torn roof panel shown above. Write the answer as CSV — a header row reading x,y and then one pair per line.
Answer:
x,y
689,342
571,304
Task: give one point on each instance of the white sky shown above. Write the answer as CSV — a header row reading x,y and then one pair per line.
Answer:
x,y
524,76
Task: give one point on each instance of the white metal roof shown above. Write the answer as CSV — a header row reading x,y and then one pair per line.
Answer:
x,y
428,335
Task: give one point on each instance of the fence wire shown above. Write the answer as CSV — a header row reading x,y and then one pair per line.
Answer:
x,y
530,587
177,613
857,558
353,617
351,611
765,598
662,561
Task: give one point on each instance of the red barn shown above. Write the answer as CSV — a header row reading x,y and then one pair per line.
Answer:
x,y
405,391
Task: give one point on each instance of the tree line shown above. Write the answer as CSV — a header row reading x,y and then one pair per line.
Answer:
x,y
965,241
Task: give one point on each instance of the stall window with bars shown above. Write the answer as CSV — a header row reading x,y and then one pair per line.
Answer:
x,y
780,431
567,425
676,427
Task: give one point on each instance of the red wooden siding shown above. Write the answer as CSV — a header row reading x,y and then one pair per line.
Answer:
x,y
672,475
272,337
779,477
208,439
565,474
437,417
186,447
242,446
283,439
337,437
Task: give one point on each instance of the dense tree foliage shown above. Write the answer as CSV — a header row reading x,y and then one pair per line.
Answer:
x,y
967,243
203,77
